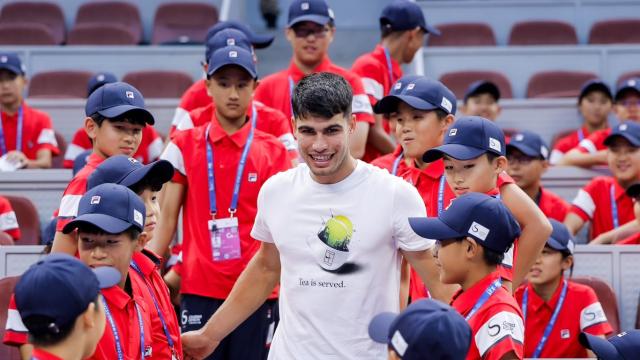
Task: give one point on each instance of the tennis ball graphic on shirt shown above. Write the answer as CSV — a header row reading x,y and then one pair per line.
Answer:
x,y
337,232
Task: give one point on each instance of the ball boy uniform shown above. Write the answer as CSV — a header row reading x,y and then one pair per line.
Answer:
x,y
8,219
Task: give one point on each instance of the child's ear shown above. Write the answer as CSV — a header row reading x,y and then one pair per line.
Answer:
x,y
256,82
89,316
501,164
567,263
472,248
448,120
143,239
207,82
90,127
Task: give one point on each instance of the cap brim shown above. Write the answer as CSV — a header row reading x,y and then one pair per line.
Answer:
x,y
432,228
158,172
228,63
119,110
13,69
389,104
601,347
624,90
260,41
106,223
432,30
318,19
555,244
527,150
485,87
595,87
609,140
456,151
633,190
380,325
107,276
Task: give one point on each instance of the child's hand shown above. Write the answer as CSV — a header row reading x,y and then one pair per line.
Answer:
x,y
18,158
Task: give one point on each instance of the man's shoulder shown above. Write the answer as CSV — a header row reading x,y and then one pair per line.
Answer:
x,y
284,180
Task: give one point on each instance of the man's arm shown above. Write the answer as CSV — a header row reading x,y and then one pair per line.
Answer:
x,y
577,158
424,263
171,199
251,290
359,139
379,138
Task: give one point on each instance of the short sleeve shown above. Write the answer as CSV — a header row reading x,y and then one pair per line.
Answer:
x,y
583,204
15,332
502,333
46,136
593,320
407,203
260,230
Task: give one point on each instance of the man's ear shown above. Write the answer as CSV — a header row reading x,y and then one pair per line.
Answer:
x,y
352,124
143,239
90,127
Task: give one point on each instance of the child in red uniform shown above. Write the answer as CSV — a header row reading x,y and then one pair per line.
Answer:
x,y
633,192
603,201
528,154
472,236
481,99
27,139
8,219
556,310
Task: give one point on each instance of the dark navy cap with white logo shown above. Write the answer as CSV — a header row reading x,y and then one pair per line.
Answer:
x,y
629,130
54,291
468,138
227,37
595,85
402,15
110,207
397,89
482,217
115,99
482,87
11,61
259,41
411,333
100,79
530,144
316,11
232,55
422,94
629,85
624,346
127,171
560,238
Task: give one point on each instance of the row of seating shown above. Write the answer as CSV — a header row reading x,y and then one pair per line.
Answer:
x,y
104,23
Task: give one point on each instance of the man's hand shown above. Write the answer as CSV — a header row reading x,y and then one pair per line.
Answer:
x,y
196,345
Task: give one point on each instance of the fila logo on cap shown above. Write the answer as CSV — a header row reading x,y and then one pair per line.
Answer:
x,y
631,83
100,77
233,54
623,127
231,41
132,160
518,137
4,59
411,86
129,94
478,231
95,200
453,132
137,216
398,85
304,6
495,144
445,103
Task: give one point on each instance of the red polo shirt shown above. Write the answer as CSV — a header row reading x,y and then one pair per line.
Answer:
x,y
387,161
16,334
594,142
150,148
594,203
581,312
8,220
631,240
195,97
148,282
552,205
497,327
37,132
274,90
566,143
187,152
39,354
68,209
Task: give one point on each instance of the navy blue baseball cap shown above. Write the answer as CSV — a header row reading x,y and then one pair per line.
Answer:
x,y
426,329
127,171
633,191
115,99
11,61
54,291
629,130
624,346
422,94
402,15
110,207
227,37
396,89
560,238
482,217
595,85
530,144
482,87
100,79
259,41
316,11
629,85
467,138
232,55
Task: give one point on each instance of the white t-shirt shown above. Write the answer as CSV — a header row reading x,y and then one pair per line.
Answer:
x,y
328,294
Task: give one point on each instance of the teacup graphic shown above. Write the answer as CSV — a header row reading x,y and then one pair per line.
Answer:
x,y
331,247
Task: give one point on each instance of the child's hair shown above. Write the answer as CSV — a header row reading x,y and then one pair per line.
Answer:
x,y
564,256
99,119
42,331
132,231
145,183
492,257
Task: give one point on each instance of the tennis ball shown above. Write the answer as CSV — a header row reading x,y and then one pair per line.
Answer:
x,y
339,230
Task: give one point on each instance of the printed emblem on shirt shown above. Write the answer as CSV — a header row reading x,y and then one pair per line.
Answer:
x,y
565,334
592,315
330,245
252,177
500,326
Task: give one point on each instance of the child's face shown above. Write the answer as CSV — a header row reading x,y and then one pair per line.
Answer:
x,y
595,108
628,107
114,137
483,105
475,175
418,130
150,199
525,170
548,267
116,251
448,254
310,41
623,160
11,88
231,88
414,42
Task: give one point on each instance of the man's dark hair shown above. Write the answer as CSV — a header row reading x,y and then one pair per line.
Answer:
x,y
492,257
87,228
42,331
322,94
130,117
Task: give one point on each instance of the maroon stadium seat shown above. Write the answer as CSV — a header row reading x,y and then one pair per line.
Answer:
x,y
607,298
183,22
621,31
628,75
26,34
463,34
60,84
6,290
119,14
159,84
44,13
28,219
100,34
459,82
557,84
5,239
56,161
543,33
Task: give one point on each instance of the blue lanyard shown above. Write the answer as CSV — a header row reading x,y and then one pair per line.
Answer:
x,y
396,163
165,328
552,322
485,296
210,171
580,134
389,66
116,334
3,140
291,86
441,195
614,207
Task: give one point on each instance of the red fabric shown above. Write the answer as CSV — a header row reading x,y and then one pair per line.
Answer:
x,y
8,221
15,334
37,132
594,141
631,240
68,209
564,144
386,161
552,205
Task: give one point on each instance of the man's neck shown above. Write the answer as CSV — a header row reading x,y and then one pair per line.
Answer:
x,y
231,126
307,68
476,273
11,108
533,191
546,291
394,48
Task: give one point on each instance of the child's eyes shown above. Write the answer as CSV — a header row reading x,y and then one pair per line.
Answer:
x,y
448,167
469,166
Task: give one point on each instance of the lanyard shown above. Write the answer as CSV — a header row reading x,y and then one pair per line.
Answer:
x,y
243,159
155,303
614,207
580,134
396,163
485,296
116,334
441,195
3,140
291,86
552,322
389,66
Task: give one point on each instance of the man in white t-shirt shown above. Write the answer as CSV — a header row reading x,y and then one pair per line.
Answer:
x,y
333,233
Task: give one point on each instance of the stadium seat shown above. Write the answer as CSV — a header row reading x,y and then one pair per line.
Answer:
x,y
183,22
620,31
5,239
26,34
159,84
557,84
607,298
101,34
628,75
119,14
459,82
463,34
59,84
28,219
543,33
6,290
43,13
56,161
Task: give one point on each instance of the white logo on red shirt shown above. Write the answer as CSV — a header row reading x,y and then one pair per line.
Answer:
x,y
253,177
565,334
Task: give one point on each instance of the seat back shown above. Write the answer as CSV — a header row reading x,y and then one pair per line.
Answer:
x,y
44,13
6,290
28,219
543,33
606,296
459,82
59,84
120,14
58,160
628,75
183,22
557,84
463,34
101,34
26,34
159,84
620,31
